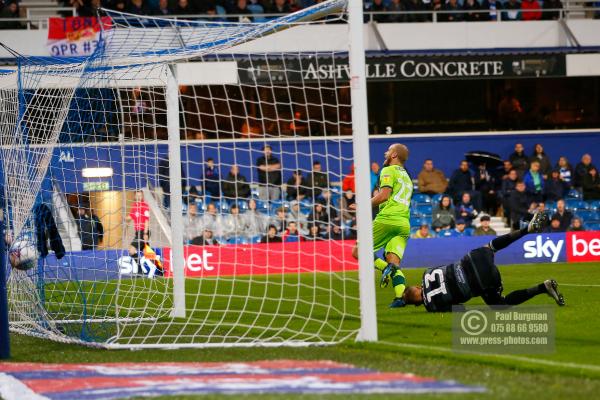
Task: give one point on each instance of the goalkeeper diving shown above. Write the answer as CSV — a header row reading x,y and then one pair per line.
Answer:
x,y
391,227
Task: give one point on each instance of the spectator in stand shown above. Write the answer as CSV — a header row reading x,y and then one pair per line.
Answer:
x,y
552,5
271,236
139,214
292,234
485,184
576,225
235,185
241,8
581,170
255,222
233,224
280,7
212,184
374,175
118,5
534,182
512,12
183,7
162,8
296,215
211,220
314,233
269,175
89,228
591,185
435,6
336,232
519,204
279,220
346,204
454,12
460,228
462,181
504,173
554,188
443,215
484,229
472,8
422,233
164,181
207,239
510,111
544,160
317,181
531,10
431,180
349,181
465,210
319,218
519,160
565,216
329,206
494,8
566,172
415,5
508,186
10,10
396,6
138,7
554,226
296,187
376,6
192,224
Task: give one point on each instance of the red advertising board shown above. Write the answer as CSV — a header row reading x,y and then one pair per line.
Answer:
x,y
265,259
583,246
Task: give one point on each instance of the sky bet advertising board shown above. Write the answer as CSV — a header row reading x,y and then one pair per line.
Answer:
x,y
278,258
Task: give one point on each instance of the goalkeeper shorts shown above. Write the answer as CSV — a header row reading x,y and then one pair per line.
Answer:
x,y
391,237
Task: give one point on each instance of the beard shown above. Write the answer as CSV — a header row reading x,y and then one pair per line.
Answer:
x,y
386,162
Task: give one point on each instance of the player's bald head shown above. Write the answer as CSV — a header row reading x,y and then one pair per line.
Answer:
x,y
397,154
413,295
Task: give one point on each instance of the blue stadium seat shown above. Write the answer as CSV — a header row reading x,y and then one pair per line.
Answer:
x,y
257,9
574,194
550,205
426,220
242,205
424,209
593,205
415,221
575,204
421,198
262,206
255,239
469,231
435,199
594,226
222,206
306,207
588,215
237,240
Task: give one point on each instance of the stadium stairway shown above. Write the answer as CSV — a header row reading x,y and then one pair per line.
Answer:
x,y
497,224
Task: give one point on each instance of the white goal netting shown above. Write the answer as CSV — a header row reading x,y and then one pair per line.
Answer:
x,y
189,184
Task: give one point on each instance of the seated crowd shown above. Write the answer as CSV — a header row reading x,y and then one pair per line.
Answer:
x,y
524,184
310,207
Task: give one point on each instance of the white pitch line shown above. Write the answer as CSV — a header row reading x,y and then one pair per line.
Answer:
x,y
13,389
576,285
505,356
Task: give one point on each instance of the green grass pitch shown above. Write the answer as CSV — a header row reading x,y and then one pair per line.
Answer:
x,y
412,340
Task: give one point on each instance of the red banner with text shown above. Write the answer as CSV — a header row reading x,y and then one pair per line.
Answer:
x,y
75,36
265,259
583,246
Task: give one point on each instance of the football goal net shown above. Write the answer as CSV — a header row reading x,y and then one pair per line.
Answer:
x,y
191,184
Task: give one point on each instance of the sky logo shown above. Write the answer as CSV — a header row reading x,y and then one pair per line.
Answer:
x,y
543,248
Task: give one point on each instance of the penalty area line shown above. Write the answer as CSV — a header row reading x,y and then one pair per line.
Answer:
x,y
577,285
503,356
13,389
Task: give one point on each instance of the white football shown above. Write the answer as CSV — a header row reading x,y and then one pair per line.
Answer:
x,y
23,255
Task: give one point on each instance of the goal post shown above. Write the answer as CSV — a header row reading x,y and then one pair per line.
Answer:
x,y
178,112
360,136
